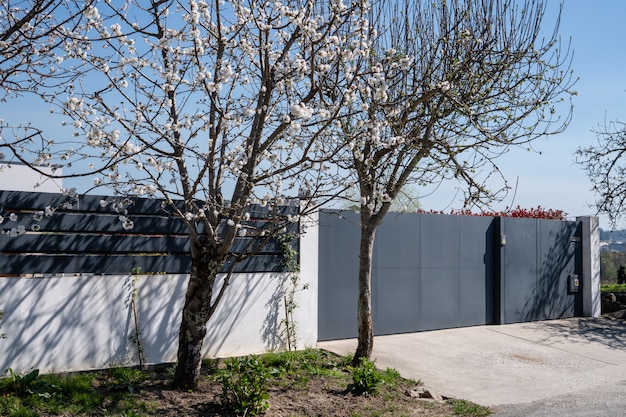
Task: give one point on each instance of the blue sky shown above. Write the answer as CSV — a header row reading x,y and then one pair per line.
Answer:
x,y
551,179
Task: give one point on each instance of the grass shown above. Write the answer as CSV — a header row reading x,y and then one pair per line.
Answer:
x,y
293,375
78,394
613,287
53,393
469,409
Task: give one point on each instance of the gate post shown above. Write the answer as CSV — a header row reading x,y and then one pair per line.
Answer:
x,y
499,241
590,265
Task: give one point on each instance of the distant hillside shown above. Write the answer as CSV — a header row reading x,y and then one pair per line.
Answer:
x,y
613,235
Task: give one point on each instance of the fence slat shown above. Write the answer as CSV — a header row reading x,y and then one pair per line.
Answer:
x,y
123,264
93,244
88,237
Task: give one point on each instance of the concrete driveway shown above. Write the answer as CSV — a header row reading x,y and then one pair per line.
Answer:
x,y
569,367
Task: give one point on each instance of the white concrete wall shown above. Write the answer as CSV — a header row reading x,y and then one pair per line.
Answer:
x,y
86,322
18,177
592,304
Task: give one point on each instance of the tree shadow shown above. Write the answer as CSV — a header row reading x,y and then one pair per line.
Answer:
x,y
603,331
235,327
86,322
65,323
542,289
271,332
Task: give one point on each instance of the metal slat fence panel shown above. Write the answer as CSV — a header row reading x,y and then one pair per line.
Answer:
x,y
85,236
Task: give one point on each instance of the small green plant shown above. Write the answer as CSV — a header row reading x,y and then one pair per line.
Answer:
x,y
391,376
365,378
469,409
244,385
21,383
125,379
29,384
280,363
22,394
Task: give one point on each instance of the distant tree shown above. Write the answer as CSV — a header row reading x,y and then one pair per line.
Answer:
x,y
215,103
621,275
605,164
453,85
608,270
407,201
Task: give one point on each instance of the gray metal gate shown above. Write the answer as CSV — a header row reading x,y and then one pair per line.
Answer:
x,y
539,264
439,271
429,272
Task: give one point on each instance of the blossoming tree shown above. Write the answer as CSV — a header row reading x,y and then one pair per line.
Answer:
x,y
605,165
217,103
29,34
452,86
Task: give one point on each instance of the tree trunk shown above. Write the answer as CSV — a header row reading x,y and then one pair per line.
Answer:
x,y
364,315
196,313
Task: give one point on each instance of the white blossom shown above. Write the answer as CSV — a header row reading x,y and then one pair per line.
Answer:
x,y
127,224
91,12
405,63
444,86
16,231
301,111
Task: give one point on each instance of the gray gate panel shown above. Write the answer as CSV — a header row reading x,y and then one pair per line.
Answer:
x,y
398,241
338,268
539,256
440,299
395,280
428,272
397,305
476,263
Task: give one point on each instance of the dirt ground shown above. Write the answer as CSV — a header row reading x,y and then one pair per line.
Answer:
x,y
315,396
312,395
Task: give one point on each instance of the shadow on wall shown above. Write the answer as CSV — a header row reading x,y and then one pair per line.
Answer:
x,y
160,300
246,321
86,322
63,323
549,296
274,333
